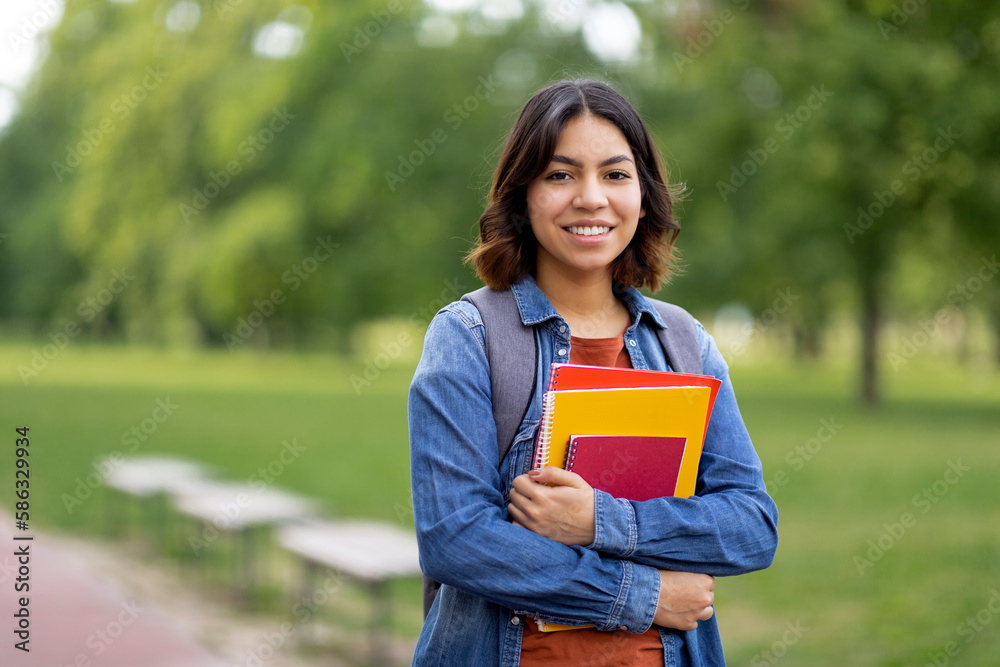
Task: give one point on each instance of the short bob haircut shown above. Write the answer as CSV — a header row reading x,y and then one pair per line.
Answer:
x,y
506,250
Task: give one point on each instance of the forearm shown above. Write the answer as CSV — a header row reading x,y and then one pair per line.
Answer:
x,y
721,534
519,570
728,527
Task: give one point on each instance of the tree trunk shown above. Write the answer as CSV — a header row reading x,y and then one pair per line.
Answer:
x,y
870,320
996,331
807,340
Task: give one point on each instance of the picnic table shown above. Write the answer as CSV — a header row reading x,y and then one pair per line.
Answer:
x,y
238,509
150,479
370,552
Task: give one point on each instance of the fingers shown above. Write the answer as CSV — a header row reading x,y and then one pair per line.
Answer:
x,y
517,517
521,505
524,486
557,476
531,488
685,599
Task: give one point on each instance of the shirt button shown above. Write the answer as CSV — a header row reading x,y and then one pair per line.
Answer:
x,y
562,328
561,352
515,621
631,342
622,627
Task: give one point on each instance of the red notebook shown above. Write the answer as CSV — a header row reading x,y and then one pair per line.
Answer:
x,y
630,467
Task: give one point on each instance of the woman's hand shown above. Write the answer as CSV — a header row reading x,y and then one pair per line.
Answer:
x,y
563,512
685,599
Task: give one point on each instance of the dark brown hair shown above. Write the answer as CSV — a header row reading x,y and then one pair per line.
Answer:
x,y
506,249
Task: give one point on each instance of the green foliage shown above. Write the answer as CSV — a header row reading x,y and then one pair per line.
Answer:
x,y
209,170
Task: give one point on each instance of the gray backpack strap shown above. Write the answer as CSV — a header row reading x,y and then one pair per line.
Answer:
x,y
509,346
680,338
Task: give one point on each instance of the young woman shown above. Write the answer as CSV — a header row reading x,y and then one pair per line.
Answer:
x,y
580,217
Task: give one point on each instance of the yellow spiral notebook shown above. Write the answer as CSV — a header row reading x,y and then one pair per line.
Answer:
x,y
664,411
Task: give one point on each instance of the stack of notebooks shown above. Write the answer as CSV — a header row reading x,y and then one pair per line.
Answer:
x,y
636,434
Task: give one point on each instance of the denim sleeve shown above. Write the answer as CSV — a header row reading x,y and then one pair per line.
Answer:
x,y
460,504
728,527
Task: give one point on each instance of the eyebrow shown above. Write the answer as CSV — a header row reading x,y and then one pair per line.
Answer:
x,y
579,165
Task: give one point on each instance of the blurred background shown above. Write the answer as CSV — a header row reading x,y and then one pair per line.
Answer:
x,y
225,225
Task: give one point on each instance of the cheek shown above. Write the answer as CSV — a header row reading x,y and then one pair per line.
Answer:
x,y
635,203
532,200
549,200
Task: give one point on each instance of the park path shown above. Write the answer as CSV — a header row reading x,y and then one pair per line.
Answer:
x,y
77,619
97,603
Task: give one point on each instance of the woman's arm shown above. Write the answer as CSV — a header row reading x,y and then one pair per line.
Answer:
x,y
728,527
465,537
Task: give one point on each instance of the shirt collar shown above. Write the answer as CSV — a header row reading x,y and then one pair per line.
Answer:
x,y
535,307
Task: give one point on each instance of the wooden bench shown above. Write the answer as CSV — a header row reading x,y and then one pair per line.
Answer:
x,y
150,479
369,552
237,508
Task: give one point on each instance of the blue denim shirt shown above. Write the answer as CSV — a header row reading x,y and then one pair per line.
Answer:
x,y
494,573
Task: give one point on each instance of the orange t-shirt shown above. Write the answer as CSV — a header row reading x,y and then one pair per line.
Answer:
x,y
589,646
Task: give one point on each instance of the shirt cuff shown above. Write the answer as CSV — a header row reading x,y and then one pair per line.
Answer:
x,y
637,600
615,529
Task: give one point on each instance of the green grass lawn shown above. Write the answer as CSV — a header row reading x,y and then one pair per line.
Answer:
x,y
907,606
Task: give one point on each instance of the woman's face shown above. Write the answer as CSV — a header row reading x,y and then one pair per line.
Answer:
x,y
585,206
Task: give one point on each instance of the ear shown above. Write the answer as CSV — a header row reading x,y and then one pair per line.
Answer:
x,y
642,212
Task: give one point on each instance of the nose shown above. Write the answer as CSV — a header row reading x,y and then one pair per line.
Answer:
x,y
590,195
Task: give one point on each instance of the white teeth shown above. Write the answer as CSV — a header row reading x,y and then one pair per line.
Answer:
x,y
588,231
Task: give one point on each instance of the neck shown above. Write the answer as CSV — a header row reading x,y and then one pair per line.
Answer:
x,y
585,300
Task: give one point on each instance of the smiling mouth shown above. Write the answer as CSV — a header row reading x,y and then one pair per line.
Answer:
x,y
588,231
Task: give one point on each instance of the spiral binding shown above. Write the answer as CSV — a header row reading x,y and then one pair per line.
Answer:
x,y
571,454
554,377
544,430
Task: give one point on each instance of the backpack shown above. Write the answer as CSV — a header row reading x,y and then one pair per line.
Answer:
x,y
509,343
